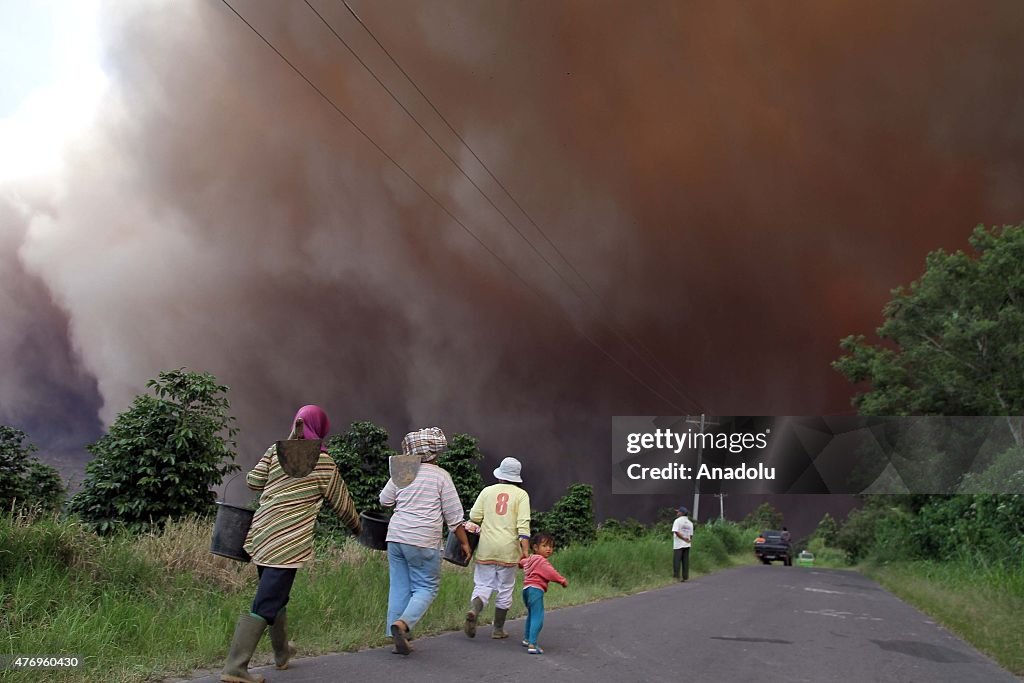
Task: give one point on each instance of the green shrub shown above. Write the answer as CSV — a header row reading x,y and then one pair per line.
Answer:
x,y
857,535
361,454
707,542
733,537
613,528
1004,475
25,482
460,460
571,518
161,456
824,555
827,530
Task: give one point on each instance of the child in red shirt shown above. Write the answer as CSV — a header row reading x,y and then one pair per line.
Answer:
x,y
537,573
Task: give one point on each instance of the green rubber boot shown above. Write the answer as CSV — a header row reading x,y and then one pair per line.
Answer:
x,y
499,623
284,649
248,632
475,608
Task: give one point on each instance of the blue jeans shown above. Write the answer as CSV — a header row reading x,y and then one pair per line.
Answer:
x,y
415,577
534,599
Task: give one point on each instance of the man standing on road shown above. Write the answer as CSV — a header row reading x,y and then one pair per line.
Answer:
x,y
682,533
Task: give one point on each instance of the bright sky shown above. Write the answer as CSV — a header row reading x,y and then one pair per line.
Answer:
x,y
50,81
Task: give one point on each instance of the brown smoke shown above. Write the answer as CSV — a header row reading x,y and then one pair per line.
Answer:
x,y
741,185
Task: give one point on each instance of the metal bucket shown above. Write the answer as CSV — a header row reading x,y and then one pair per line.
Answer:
x,y
374,530
229,531
453,549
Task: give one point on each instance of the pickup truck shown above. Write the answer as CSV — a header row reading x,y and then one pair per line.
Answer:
x,y
771,545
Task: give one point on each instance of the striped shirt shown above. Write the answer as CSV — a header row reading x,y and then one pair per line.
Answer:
x,y
503,513
422,506
281,534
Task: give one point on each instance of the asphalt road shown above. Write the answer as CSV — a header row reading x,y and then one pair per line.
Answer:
x,y
751,623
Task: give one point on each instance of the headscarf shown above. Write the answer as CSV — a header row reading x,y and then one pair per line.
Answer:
x,y
428,443
315,424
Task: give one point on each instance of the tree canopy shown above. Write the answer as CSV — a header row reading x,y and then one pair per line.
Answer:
x,y
953,344
161,456
953,341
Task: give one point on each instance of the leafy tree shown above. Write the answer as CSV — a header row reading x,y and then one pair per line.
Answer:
x,y
953,342
571,518
827,530
161,456
766,516
857,535
460,460
25,482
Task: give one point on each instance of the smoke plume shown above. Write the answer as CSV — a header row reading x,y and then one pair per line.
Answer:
x,y
739,185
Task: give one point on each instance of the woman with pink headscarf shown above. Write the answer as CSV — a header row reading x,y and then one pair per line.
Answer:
x,y
280,541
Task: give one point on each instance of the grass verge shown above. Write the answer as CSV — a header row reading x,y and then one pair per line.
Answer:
x,y
980,602
146,608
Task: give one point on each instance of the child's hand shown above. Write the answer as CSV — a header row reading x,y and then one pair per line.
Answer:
x,y
565,584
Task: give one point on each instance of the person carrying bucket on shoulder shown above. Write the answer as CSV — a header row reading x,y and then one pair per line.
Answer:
x,y
424,498
537,573
503,512
280,539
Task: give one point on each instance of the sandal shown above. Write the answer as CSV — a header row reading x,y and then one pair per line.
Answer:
x,y
526,643
535,650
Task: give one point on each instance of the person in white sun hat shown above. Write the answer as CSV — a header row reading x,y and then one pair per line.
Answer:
x,y
503,512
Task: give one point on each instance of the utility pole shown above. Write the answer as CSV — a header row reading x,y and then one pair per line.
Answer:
x,y
700,452
696,483
721,505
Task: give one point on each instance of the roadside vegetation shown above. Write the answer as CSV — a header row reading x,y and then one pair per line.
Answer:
x,y
139,607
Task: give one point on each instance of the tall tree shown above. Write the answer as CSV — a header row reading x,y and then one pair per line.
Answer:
x,y
161,456
953,342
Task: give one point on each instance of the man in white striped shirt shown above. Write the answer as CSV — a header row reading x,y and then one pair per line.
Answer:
x,y
414,533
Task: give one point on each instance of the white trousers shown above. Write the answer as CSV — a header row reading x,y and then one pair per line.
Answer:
x,y
488,578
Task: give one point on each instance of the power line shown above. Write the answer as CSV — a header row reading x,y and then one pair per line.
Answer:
x,y
438,203
458,166
630,344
